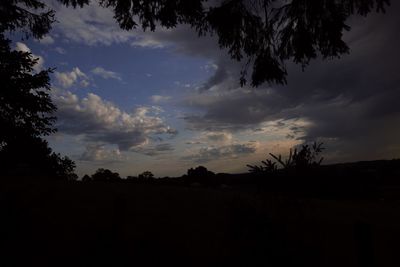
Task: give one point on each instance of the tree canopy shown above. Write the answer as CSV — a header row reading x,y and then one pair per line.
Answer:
x,y
25,105
105,175
264,34
26,108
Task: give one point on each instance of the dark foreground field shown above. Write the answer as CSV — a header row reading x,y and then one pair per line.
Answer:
x,y
122,224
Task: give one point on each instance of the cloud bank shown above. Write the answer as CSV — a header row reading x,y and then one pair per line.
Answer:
x,y
100,121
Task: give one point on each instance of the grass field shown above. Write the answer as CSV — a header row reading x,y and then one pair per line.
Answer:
x,y
122,224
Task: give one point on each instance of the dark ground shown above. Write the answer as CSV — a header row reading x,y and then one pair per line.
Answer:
x,y
125,224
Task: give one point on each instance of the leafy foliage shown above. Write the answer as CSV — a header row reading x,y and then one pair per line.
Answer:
x,y
86,178
200,175
25,104
268,167
199,171
265,34
303,158
146,175
268,33
105,175
299,159
31,156
32,17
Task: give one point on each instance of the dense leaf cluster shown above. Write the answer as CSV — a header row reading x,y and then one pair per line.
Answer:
x,y
105,175
26,108
264,34
25,103
31,17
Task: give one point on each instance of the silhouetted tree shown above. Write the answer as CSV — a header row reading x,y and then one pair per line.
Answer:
x,y
105,175
264,33
25,104
86,178
31,156
199,171
200,175
145,176
63,166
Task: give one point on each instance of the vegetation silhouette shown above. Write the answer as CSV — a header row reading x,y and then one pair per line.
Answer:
x,y
32,157
263,34
86,178
26,108
146,176
200,175
104,175
299,160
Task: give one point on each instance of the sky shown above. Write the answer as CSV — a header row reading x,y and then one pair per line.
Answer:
x,y
165,101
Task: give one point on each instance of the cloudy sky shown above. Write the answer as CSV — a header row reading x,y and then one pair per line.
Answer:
x,y
167,100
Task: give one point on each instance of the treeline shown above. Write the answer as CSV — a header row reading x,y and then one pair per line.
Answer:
x,y
197,176
360,179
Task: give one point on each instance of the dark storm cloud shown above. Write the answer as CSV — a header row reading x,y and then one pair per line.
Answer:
x,y
235,110
352,101
219,76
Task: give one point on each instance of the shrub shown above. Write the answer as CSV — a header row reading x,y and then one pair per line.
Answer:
x,y
303,158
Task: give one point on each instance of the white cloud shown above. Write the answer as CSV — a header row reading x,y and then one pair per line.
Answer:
x,y
106,74
220,138
60,50
24,48
147,41
68,79
210,67
47,40
99,152
84,83
101,121
91,25
94,25
158,99
232,151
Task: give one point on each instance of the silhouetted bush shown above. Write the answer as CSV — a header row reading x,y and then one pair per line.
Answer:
x,y
200,175
145,176
302,159
105,175
32,157
86,178
269,167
